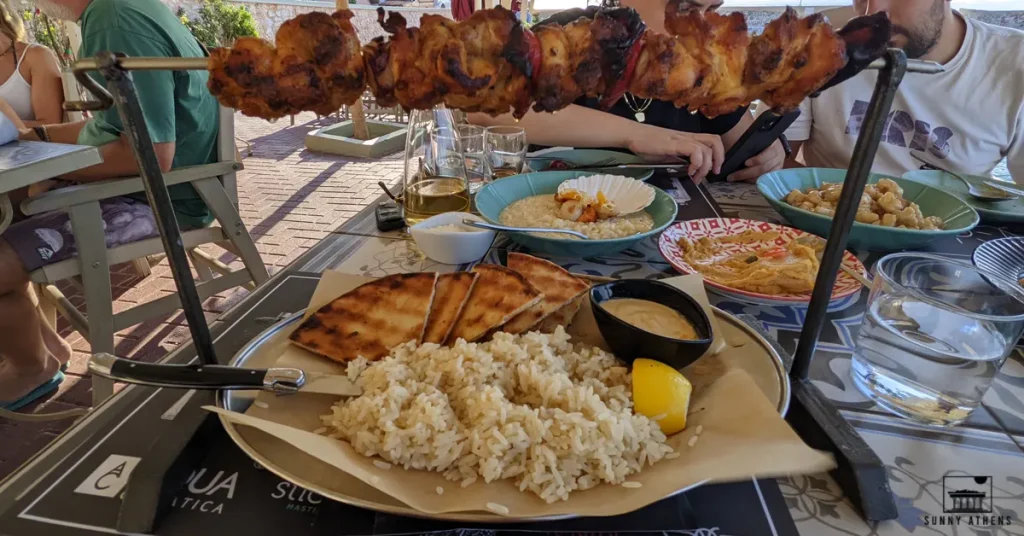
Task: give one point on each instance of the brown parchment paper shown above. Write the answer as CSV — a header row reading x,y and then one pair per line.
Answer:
x,y
742,436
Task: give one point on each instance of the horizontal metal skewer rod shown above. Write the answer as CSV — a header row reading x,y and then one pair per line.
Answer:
x,y
913,66
148,64
104,100
184,64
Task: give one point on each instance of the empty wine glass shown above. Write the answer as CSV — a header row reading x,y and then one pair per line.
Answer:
x,y
506,151
473,146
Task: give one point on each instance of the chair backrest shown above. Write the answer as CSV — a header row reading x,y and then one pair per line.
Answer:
x,y
72,92
227,151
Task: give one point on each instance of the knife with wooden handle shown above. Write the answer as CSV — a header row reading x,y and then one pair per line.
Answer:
x,y
280,381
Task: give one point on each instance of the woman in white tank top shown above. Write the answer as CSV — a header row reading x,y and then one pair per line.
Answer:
x,y
30,81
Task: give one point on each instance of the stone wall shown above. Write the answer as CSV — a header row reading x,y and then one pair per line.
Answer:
x,y
270,14
1011,19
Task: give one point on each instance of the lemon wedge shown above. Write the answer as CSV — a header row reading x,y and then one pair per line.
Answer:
x,y
661,393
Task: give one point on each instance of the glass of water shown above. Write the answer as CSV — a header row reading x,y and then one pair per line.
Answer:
x,y
506,151
472,138
935,333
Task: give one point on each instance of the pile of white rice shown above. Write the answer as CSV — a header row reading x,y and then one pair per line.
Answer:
x,y
554,416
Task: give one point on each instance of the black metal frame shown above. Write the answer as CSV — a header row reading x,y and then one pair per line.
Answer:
x,y
861,474
122,95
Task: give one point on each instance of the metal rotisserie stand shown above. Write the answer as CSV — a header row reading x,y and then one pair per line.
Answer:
x,y
861,473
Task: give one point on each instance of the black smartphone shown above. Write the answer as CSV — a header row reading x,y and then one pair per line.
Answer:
x,y
767,128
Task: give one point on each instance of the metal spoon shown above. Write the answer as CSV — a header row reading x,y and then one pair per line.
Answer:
x,y
492,227
989,193
1005,188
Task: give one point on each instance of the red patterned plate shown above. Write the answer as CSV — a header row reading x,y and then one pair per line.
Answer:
x,y
693,230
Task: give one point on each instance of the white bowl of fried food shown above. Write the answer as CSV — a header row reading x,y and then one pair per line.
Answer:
x,y
445,239
893,213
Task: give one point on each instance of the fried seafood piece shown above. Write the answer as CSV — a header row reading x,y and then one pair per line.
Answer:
x,y
316,66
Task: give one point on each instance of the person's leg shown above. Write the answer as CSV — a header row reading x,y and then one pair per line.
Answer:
x,y
31,244
27,361
32,351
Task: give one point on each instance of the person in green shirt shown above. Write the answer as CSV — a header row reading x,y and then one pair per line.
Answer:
x,y
181,116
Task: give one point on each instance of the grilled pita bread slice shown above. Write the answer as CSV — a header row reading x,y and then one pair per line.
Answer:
x,y
371,319
562,317
499,295
450,297
556,283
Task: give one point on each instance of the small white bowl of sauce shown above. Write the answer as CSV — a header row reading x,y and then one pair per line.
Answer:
x,y
443,238
645,318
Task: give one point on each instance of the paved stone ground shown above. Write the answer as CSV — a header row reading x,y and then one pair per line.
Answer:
x,y
289,198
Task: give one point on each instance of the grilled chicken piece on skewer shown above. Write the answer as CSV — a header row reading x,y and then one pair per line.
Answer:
x,y
315,66
710,64
793,58
591,56
465,65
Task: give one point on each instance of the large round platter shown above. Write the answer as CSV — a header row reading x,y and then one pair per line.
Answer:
x,y
1004,256
757,358
694,230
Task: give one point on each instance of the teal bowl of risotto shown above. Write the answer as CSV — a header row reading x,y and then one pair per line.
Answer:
x,y
528,201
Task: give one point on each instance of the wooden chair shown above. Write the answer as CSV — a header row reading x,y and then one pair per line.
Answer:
x,y
90,270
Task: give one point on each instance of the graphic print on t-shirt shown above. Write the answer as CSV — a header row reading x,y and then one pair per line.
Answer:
x,y
902,130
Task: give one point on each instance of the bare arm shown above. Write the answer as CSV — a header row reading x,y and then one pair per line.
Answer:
x,y
118,159
791,161
579,126
47,87
564,127
730,138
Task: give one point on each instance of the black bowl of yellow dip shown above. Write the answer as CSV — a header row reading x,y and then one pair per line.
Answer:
x,y
650,319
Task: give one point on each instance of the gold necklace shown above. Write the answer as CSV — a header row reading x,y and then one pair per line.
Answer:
x,y
638,111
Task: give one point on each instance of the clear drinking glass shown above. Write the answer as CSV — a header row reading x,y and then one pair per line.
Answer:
x,y
506,151
473,145
435,167
934,335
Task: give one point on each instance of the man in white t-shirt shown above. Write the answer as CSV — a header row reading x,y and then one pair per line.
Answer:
x,y
967,119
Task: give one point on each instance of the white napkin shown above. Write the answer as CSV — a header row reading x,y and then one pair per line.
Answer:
x,y
8,132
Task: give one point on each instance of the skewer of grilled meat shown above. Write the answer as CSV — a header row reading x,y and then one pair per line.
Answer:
x,y
490,63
